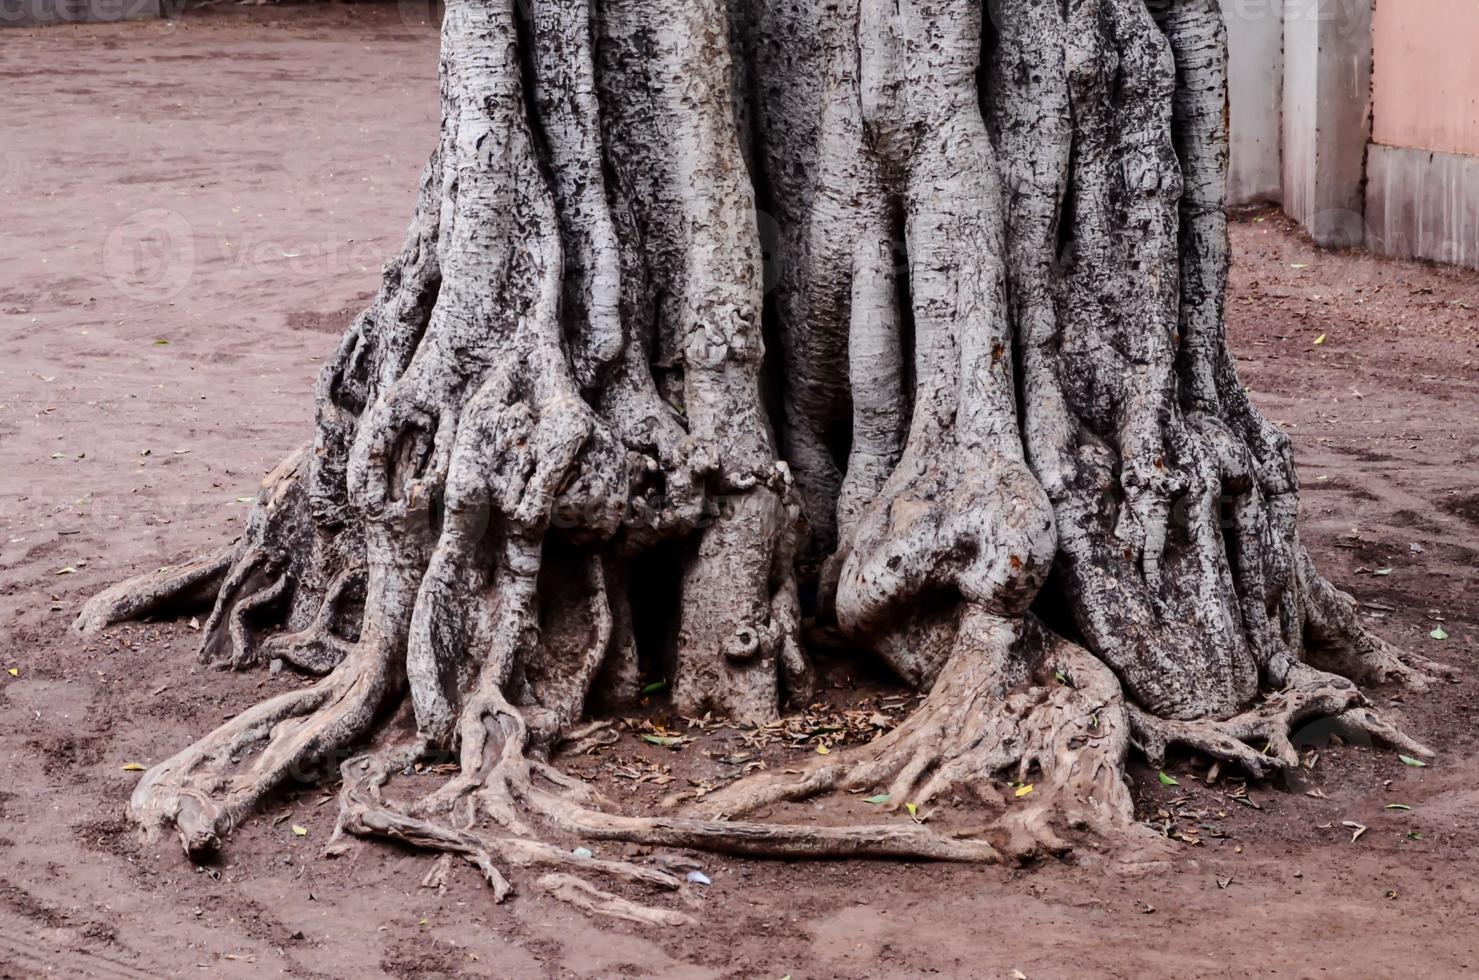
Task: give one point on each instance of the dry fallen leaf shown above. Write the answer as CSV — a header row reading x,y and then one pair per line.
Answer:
x,y
300,830
133,767
1357,827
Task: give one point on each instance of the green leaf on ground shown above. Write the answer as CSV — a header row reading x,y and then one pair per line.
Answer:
x,y
879,799
1408,760
1167,780
1439,633
655,687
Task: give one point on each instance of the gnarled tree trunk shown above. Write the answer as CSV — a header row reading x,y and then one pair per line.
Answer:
x,y
913,307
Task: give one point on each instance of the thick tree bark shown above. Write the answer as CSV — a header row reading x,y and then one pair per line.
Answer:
x,y
998,382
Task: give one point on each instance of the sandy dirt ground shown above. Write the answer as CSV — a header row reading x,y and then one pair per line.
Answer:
x,y
190,213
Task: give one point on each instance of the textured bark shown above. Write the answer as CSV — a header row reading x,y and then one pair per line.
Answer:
x,y
991,254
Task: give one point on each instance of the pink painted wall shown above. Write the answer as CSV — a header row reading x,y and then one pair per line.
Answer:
x,y
1425,76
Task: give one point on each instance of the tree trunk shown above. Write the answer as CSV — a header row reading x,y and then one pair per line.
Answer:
x,y
912,307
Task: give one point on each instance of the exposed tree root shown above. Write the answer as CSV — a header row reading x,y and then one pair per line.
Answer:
x,y
1259,739
1337,642
166,591
206,789
982,733
515,790
363,812
582,894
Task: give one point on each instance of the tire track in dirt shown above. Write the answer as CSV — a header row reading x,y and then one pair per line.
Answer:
x,y
1383,486
25,952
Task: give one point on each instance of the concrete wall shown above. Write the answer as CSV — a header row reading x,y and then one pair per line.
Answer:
x,y
29,13
1425,88
1255,42
1423,204
1363,123
1297,118
1422,186
1327,116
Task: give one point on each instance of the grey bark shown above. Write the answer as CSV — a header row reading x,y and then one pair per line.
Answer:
x,y
1000,250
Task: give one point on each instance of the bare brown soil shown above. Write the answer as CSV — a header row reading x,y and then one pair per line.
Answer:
x,y
144,390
